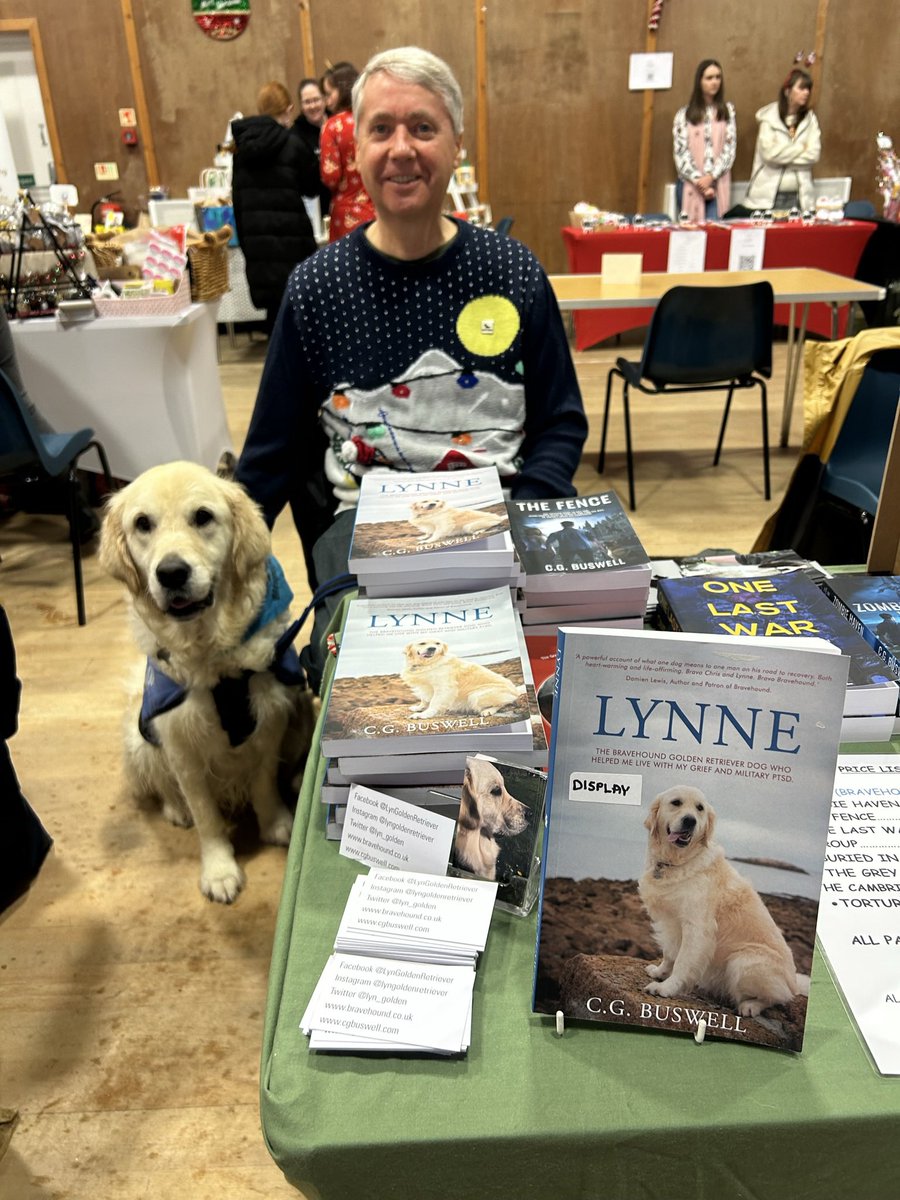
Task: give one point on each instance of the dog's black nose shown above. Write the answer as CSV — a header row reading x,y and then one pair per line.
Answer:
x,y
173,572
688,822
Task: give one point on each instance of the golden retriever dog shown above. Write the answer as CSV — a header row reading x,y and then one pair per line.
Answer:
x,y
486,812
446,684
437,520
209,605
714,931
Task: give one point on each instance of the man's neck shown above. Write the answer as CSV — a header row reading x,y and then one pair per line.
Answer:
x,y
410,242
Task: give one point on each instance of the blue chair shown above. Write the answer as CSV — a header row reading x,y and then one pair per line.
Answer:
x,y
854,469
504,225
29,455
701,339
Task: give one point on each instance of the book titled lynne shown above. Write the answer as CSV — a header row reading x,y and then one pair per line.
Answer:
x,y
427,674
782,606
443,523
689,798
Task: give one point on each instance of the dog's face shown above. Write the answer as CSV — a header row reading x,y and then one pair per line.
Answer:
x,y
485,803
421,508
178,535
423,654
681,819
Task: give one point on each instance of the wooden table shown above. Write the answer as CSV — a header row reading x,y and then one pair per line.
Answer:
x,y
792,286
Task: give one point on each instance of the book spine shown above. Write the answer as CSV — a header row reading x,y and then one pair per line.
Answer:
x,y
665,612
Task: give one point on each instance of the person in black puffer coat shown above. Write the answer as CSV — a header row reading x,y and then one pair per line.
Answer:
x,y
273,171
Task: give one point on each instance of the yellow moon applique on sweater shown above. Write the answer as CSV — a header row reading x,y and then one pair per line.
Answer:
x,y
488,326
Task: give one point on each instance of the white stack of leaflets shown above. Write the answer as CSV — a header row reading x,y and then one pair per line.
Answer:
x,y
583,563
438,531
412,916
402,974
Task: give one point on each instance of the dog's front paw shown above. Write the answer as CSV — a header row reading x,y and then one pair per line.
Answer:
x,y
751,1007
664,988
277,831
656,970
221,879
177,813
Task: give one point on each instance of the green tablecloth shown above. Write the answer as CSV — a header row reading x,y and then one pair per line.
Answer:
x,y
599,1114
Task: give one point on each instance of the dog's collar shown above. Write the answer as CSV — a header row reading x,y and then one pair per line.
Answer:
x,y
665,866
277,599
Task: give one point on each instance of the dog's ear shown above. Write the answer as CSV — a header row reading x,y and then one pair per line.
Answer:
x,y
115,557
469,814
251,542
652,815
710,822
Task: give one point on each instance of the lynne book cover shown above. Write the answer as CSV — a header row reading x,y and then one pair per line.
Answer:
x,y
689,798
789,605
401,515
429,673
871,603
579,541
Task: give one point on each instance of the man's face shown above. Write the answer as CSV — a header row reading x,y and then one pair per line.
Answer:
x,y
406,147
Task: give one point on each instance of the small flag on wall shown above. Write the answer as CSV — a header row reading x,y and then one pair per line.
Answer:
x,y
221,19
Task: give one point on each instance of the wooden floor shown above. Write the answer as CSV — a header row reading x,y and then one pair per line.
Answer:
x,y
131,1009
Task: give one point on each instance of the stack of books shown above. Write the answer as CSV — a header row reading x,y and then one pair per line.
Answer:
x,y
435,532
583,564
787,606
421,683
871,604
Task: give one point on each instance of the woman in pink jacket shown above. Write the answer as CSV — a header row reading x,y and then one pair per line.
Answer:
x,y
704,138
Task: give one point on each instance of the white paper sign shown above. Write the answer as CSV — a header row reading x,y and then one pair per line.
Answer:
x,y
621,268
649,71
747,248
859,910
687,250
383,832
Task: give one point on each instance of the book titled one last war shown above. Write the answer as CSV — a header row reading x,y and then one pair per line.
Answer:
x,y
689,797
781,606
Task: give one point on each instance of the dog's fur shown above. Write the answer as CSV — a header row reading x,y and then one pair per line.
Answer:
x,y
191,548
437,519
714,931
486,812
446,684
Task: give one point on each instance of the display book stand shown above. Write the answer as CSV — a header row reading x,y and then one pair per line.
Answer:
x,y
30,298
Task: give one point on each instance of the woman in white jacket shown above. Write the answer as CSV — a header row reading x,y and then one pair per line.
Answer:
x,y
787,145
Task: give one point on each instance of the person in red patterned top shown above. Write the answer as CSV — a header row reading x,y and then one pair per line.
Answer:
x,y
350,202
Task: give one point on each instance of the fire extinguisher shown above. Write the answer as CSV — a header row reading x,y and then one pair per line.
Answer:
x,y
101,207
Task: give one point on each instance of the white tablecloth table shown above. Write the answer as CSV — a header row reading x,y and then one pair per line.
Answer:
x,y
148,386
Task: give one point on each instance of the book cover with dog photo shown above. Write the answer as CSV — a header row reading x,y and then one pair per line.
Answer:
x,y
428,674
782,606
499,829
689,799
577,544
426,515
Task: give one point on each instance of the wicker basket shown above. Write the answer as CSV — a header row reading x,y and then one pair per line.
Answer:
x,y
208,261
105,249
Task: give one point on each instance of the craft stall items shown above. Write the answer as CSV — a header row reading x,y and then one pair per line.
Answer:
x,y
43,258
887,176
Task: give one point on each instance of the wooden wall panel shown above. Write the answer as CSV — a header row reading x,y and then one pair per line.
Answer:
x,y
195,84
562,124
354,30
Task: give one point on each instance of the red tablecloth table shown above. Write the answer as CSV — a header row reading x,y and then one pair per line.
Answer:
x,y
833,247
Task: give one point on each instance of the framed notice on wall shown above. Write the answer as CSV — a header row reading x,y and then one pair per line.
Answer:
x,y
649,71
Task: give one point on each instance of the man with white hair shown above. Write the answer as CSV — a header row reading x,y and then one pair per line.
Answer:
x,y
418,342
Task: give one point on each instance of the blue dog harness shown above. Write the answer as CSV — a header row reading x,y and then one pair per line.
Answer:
x,y
232,693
